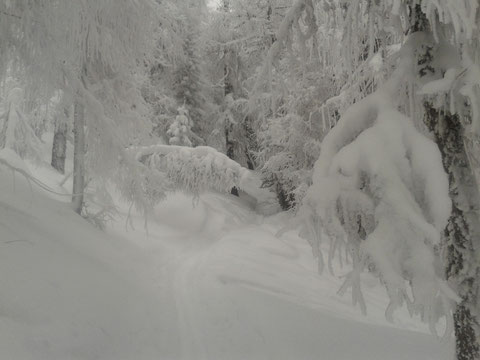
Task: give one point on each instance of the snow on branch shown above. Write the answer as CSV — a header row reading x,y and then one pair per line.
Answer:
x,y
379,190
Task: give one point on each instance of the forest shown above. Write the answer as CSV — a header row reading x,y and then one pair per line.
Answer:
x,y
240,179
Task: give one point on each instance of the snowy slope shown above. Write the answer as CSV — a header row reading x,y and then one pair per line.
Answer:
x,y
69,291
209,282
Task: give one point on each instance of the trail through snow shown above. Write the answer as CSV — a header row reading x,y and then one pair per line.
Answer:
x,y
209,282
242,293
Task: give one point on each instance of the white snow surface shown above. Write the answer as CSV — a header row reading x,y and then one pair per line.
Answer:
x,y
441,85
208,282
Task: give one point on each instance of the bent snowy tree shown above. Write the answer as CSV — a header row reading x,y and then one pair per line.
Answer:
x,y
380,191
200,169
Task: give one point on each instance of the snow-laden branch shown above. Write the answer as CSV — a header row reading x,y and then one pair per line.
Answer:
x,y
380,190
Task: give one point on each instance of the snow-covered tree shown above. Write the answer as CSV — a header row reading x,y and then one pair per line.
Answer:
x,y
189,83
180,129
90,50
238,36
167,51
379,190
176,70
233,134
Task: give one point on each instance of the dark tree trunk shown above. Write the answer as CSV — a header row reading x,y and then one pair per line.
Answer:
x,y
3,133
228,89
230,151
462,231
285,200
59,146
251,143
78,157
463,228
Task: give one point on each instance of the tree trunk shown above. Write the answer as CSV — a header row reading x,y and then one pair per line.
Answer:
x,y
230,151
285,199
78,157
3,133
229,142
59,147
463,229
228,89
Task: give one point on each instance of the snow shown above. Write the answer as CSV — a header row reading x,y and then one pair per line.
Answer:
x,y
209,275
441,85
10,157
67,292
210,281
376,62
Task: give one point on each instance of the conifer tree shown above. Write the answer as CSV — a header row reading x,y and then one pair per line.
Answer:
x,y
189,83
180,129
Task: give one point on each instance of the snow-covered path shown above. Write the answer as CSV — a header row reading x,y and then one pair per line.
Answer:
x,y
241,293
209,282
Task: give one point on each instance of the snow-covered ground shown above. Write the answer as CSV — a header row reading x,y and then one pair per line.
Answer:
x,y
208,282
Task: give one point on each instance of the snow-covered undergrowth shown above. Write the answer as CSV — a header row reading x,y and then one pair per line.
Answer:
x,y
208,282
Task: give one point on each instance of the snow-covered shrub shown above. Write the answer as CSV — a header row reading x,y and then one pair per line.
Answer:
x,y
380,190
193,170
203,169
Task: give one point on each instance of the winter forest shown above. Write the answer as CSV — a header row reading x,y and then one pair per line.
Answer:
x,y
240,179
